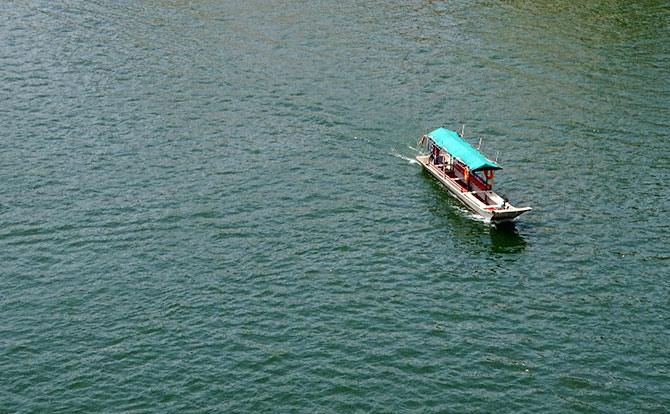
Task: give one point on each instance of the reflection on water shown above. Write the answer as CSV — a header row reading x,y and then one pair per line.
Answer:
x,y
505,238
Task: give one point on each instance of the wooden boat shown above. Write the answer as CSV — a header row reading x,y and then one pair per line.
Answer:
x,y
467,174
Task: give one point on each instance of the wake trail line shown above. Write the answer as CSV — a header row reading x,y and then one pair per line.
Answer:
x,y
402,157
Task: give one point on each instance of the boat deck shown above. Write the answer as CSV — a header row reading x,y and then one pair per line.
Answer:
x,y
478,188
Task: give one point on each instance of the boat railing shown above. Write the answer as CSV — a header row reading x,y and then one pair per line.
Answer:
x,y
474,178
479,182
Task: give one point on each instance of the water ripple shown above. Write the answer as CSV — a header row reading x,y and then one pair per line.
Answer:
x,y
213,207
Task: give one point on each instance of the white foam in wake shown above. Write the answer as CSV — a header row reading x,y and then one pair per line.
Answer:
x,y
402,157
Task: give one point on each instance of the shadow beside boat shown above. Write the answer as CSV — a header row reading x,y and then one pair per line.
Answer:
x,y
505,238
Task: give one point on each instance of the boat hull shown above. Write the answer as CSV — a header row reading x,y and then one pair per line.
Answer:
x,y
496,210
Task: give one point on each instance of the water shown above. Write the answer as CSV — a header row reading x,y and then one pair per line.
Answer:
x,y
212,207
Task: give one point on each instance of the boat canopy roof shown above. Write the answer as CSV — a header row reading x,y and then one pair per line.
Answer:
x,y
459,148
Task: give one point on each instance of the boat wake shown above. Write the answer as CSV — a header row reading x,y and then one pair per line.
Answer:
x,y
468,214
362,139
477,217
402,157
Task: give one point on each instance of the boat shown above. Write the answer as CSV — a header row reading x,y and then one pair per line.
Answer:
x,y
467,174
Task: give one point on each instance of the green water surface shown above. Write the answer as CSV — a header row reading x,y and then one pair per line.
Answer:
x,y
211,206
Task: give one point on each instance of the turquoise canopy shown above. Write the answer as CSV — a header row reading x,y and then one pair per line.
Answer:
x,y
459,148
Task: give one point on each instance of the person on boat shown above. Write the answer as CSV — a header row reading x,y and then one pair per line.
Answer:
x,y
505,203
